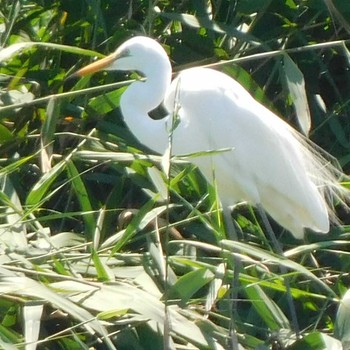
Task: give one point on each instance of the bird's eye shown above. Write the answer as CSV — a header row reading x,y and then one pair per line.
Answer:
x,y
125,53
122,54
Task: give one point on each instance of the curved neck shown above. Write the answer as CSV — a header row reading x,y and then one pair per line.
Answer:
x,y
142,97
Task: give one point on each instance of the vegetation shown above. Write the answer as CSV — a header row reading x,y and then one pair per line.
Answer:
x,y
79,262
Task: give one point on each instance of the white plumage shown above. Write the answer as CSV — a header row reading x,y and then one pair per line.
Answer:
x,y
270,163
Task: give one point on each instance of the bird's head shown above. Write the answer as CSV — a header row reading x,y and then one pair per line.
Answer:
x,y
137,54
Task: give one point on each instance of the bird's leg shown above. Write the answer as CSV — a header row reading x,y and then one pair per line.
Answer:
x,y
283,269
231,230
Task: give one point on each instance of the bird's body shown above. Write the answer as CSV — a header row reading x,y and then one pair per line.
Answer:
x,y
268,163
258,139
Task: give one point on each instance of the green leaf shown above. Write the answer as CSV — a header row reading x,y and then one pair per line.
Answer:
x,y
25,286
215,287
342,321
32,312
83,198
8,336
103,272
42,186
5,134
14,97
121,296
317,341
47,133
159,182
114,156
296,86
107,102
199,22
10,51
187,285
13,234
106,315
143,217
268,310
276,259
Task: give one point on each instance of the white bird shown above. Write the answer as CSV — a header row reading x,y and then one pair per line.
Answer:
x,y
269,164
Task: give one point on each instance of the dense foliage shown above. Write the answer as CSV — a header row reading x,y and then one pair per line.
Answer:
x,y
80,262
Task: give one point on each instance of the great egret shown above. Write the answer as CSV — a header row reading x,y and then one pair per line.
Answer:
x,y
270,165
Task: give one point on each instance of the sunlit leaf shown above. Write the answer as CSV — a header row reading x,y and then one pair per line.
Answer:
x,y
47,133
319,341
121,296
214,287
187,285
12,235
107,102
296,86
5,134
342,321
32,312
143,217
42,186
83,198
268,310
103,271
8,52
25,286
159,182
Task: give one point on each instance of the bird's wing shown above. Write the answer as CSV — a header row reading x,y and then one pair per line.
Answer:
x,y
267,164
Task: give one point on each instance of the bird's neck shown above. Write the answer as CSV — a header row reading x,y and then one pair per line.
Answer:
x,y
141,98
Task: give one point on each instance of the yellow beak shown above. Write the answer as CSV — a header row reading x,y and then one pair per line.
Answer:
x,y
96,66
